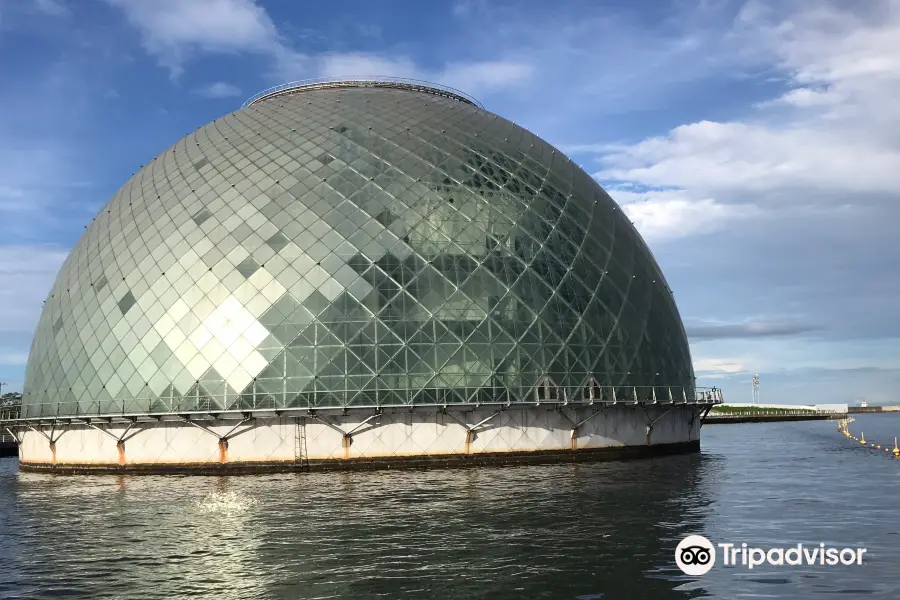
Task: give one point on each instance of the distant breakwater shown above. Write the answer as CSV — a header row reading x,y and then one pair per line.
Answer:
x,y
749,413
762,417
873,409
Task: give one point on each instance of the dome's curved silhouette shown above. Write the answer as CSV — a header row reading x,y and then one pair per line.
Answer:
x,y
354,246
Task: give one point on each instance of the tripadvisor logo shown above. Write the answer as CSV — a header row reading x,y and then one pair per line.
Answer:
x,y
696,555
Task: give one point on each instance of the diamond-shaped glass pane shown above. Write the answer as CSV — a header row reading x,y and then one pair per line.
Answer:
x,y
416,248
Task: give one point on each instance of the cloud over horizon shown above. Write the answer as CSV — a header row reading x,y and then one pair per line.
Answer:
x,y
750,329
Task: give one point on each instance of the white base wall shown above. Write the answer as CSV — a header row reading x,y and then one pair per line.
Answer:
x,y
395,434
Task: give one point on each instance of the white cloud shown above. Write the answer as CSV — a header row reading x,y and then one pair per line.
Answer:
x,y
173,30
844,74
362,65
704,329
24,169
804,98
762,355
473,77
53,8
466,8
36,176
27,273
713,366
13,358
804,43
598,62
669,214
825,146
485,76
219,89
709,157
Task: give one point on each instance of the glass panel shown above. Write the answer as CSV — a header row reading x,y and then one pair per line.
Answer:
x,y
389,256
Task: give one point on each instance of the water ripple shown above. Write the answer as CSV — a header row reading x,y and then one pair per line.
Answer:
x,y
604,530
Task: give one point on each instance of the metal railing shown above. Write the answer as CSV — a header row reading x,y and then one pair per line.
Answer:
x,y
459,398
767,413
8,414
323,83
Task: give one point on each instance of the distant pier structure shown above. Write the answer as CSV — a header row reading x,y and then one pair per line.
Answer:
x,y
756,389
864,407
9,443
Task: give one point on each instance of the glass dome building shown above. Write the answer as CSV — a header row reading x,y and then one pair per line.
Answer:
x,y
337,253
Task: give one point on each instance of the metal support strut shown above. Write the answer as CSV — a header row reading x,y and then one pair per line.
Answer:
x,y
14,433
223,439
470,431
702,417
50,438
650,423
346,436
575,426
120,440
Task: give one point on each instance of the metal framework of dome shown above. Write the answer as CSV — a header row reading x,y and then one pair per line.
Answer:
x,y
358,244
412,85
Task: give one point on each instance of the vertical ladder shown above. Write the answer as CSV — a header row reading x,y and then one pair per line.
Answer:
x,y
301,458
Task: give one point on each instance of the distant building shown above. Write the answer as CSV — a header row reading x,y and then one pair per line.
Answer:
x,y
10,398
357,270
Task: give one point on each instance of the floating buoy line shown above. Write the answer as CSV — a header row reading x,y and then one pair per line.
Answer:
x,y
844,428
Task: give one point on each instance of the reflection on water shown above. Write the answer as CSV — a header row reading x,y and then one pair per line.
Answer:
x,y
226,503
559,531
604,530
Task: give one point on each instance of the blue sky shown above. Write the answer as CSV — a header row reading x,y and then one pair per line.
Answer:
x,y
754,144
